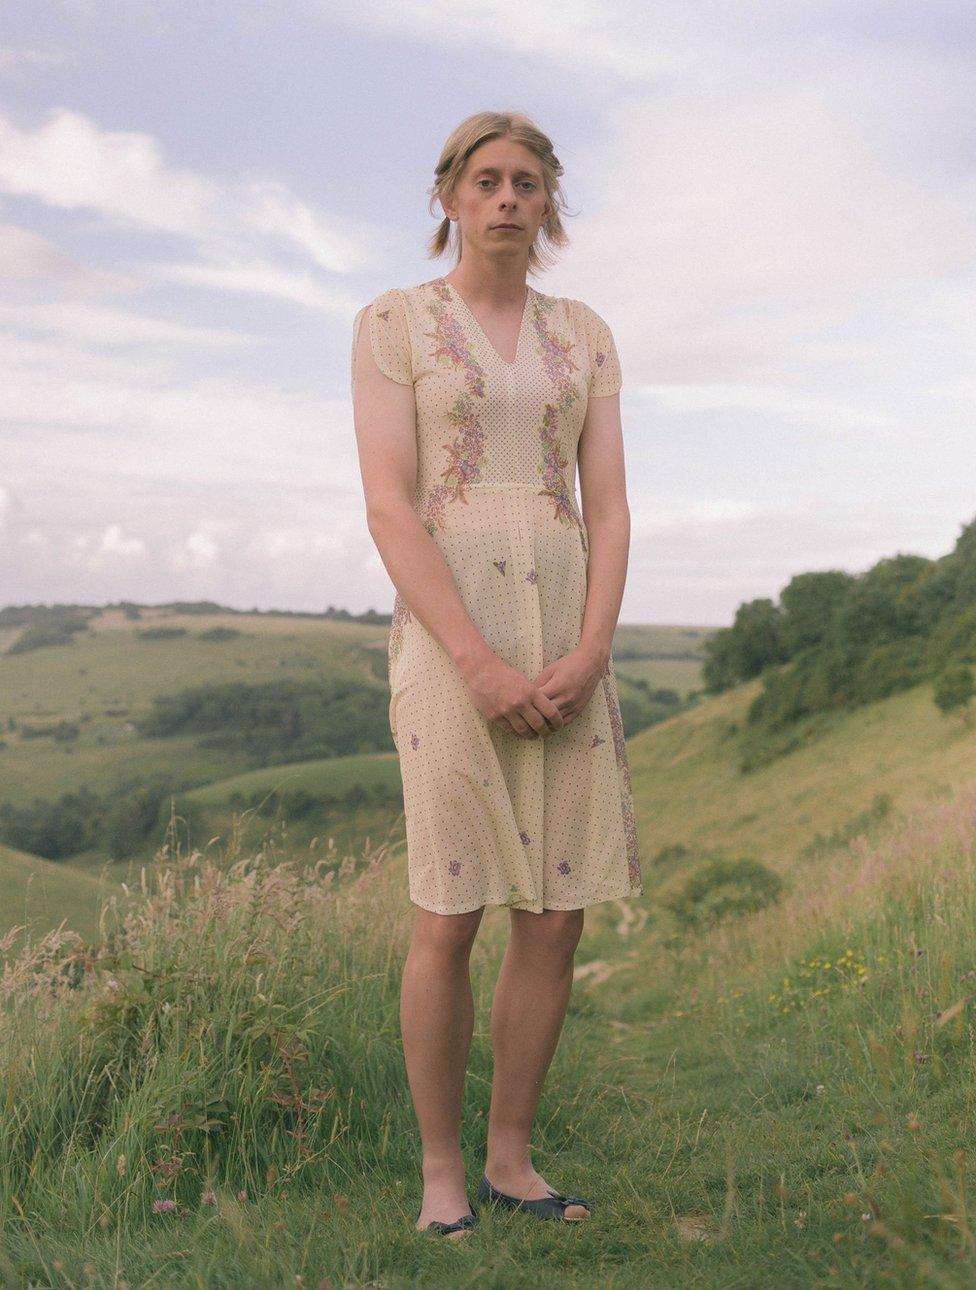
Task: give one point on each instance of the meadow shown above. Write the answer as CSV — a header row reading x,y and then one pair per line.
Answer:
x,y
74,724
213,1094
766,1076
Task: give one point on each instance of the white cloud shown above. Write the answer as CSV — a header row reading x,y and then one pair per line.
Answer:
x,y
260,278
28,256
581,36
94,553
70,163
199,550
96,325
694,512
745,222
786,404
115,542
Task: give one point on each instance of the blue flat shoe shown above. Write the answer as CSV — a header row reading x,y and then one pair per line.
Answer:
x,y
440,1228
551,1206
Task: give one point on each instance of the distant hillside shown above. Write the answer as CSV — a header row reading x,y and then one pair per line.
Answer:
x,y
838,640
106,713
692,799
40,893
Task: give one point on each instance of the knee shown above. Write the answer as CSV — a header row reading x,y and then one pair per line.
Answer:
x,y
446,934
557,931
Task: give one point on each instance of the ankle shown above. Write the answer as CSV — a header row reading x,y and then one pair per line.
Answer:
x,y
508,1161
442,1165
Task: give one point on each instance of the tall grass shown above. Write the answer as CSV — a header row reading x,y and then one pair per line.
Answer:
x,y
213,1094
231,1038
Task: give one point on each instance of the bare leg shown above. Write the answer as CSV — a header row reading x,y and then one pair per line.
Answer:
x,y
527,1014
436,1022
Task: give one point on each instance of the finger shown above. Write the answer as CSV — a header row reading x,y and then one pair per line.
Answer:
x,y
520,727
534,719
551,711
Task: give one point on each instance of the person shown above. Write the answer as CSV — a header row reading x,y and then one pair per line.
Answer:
x,y
475,397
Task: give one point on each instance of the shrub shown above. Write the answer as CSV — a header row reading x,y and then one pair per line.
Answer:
x,y
724,888
160,633
43,634
221,634
955,689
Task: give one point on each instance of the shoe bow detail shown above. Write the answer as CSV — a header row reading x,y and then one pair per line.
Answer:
x,y
569,1200
467,1220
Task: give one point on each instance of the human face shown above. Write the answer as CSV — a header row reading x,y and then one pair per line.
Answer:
x,y
501,185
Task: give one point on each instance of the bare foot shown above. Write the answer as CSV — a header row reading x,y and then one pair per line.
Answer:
x,y
527,1184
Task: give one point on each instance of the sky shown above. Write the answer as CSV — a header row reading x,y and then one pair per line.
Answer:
x,y
773,206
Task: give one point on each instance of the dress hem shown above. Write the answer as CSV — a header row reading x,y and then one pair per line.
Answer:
x,y
630,893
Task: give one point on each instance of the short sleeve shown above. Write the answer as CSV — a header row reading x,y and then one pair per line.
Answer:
x,y
605,374
389,334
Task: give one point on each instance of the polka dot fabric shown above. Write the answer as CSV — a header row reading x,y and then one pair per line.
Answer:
x,y
492,818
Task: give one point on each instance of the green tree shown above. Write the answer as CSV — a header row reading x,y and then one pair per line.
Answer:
x,y
954,689
809,602
753,643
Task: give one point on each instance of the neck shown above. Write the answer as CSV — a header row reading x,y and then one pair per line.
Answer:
x,y
495,283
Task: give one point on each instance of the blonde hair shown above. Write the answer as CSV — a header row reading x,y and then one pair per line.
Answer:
x,y
460,144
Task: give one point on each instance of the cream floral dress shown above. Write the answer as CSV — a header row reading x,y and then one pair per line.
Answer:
x,y
493,818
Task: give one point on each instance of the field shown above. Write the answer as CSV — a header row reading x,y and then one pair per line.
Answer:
x,y
766,1077
785,1100
103,682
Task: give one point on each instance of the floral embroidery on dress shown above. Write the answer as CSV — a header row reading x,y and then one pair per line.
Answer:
x,y
450,340
525,837
596,740
554,462
397,623
466,453
466,457
384,314
600,358
563,866
626,793
559,365
532,577
414,740
500,565
454,867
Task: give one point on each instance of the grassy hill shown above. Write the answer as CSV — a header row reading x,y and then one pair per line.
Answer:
x,y
688,791
106,678
783,1099
40,894
71,710
327,775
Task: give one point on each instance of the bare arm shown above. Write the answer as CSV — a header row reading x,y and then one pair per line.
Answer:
x,y
384,414
571,680
606,515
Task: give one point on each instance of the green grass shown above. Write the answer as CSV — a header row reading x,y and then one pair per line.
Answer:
x,y
688,789
108,677
786,1100
41,893
680,675
328,775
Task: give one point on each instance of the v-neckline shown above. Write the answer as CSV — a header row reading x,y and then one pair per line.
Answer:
x,y
481,331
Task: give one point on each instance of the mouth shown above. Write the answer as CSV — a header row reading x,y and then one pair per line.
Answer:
x,y
516,228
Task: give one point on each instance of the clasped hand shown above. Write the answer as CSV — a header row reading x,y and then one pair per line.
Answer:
x,y
541,706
